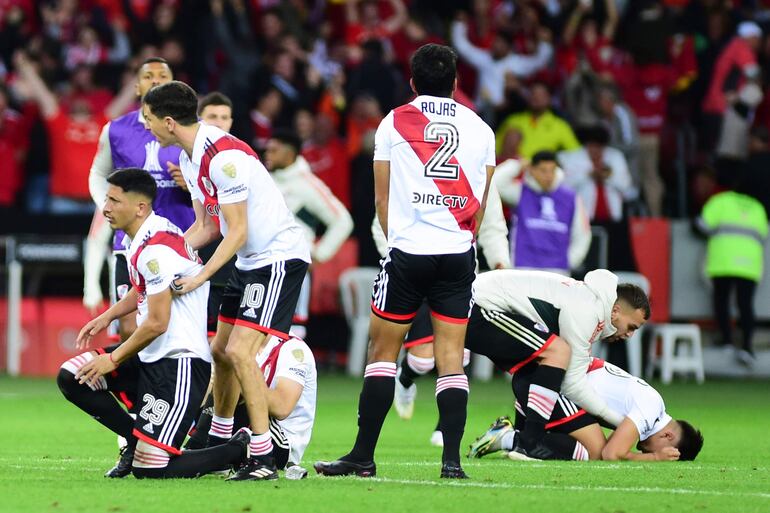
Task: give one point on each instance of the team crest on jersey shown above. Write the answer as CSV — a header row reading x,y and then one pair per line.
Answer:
x,y
229,169
298,355
153,266
208,185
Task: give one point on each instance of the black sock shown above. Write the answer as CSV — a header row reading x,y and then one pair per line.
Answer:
x,y
199,439
438,424
452,401
194,463
562,445
100,404
373,405
408,374
543,393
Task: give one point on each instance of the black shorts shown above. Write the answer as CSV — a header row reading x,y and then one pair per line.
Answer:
x,y
122,282
170,393
566,417
405,280
421,331
264,299
511,341
123,381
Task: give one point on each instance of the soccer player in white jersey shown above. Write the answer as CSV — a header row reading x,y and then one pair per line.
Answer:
x,y
575,435
229,183
433,162
170,340
290,373
522,317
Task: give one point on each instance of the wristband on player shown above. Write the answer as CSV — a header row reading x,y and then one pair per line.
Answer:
x,y
112,359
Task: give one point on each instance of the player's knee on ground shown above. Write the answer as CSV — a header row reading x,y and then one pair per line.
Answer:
x,y
66,377
149,461
557,354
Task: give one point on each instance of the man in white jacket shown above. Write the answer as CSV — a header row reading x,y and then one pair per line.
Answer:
x,y
550,229
312,204
525,316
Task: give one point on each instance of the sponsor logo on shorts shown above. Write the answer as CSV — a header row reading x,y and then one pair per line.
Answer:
x,y
250,313
148,427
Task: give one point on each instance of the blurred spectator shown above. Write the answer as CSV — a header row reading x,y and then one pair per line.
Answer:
x,y
537,129
88,49
620,122
549,226
268,108
72,135
736,64
376,77
733,140
599,174
304,124
408,40
83,88
365,23
13,148
364,118
328,158
758,166
736,227
492,65
582,39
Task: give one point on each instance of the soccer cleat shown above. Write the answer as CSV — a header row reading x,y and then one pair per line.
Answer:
x,y
745,358
538,452
256,468
403,399
437,439
295,472
491,441
123,467
452,470
345,468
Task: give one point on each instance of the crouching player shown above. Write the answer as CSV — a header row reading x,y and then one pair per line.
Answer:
x,y
291,379
174,360
573,434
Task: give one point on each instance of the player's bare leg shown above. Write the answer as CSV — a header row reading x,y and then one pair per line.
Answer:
x,y
451,392
225,390
375,400
241,351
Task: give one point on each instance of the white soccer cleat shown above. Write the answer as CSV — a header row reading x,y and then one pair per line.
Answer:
x,y
403,399
295,472
437,439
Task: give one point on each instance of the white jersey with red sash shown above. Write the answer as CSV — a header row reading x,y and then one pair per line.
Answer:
x,y
225,170
292,360
438,152
156,256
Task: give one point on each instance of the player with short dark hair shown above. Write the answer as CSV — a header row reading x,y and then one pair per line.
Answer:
x,y
174,361
227,181
433,163
216,109
659,437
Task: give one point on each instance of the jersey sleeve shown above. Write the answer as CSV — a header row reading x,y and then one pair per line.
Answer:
x,y
101,168
295,362
157,265
229,171
382,138
491,157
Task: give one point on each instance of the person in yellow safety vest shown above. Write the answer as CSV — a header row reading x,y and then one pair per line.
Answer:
x,y
736,226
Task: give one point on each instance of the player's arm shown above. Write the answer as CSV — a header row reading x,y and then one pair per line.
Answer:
x,y
325,206
203,230
507,181
101,168
580,235
382,192
493,233
380,241
283,398
477,57
94,254
123,307
479,215
624,439
155,325
49,105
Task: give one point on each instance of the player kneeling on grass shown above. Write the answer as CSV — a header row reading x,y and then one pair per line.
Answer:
x,y
174,357
291,379
573,434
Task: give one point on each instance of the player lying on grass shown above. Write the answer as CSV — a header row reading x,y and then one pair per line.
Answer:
x,y
168,353
515,322
291,378
574,434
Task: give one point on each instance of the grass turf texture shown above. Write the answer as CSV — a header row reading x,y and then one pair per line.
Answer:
x,y
52,458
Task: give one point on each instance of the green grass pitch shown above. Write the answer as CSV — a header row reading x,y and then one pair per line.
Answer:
x,y
52,458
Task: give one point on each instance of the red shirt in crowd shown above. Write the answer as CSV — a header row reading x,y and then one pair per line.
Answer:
x,y
13,142
729,71
330,163
72,146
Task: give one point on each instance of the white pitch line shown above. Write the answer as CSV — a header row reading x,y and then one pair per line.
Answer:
x,y
569,464
574,488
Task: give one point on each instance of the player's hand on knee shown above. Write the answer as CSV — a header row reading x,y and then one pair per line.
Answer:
x,y
90,330
90,373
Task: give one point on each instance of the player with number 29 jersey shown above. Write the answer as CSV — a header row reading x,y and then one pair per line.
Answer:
x,y
438,151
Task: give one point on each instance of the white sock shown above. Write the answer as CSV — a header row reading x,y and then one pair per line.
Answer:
x,y
221,427
261,444
507,440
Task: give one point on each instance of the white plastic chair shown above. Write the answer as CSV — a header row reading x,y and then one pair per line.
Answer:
x,y
356,293
673,357
633,344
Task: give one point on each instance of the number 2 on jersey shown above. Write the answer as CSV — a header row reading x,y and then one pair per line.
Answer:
x,y
438,166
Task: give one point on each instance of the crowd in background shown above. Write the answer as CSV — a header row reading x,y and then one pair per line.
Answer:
x,y
666,96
